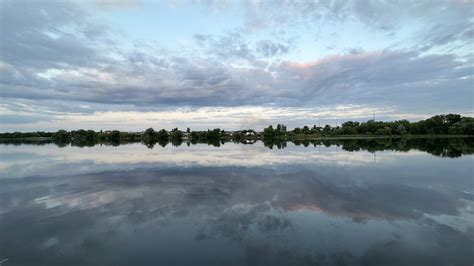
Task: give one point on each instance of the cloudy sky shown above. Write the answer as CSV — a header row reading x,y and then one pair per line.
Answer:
x,y
131,64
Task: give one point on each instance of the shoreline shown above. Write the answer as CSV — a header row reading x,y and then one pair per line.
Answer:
x,y
310,137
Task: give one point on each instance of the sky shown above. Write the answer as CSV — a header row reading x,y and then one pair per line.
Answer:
x,y
134,64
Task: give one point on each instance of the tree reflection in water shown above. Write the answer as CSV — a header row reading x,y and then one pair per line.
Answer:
x,y
444,147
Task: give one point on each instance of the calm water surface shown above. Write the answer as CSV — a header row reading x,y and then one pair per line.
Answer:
x,y
234,205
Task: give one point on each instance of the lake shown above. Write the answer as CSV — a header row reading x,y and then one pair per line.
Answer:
x,y
345,202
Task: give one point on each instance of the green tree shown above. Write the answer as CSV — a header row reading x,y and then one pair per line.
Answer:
x,y
61,136
176,135
401,130
162,134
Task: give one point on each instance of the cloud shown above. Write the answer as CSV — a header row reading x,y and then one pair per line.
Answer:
x,y
385,78
48,35
232,45
45,61
444,19
391,78
356,50
22,119
268,48
58,56
197,118
417,25
118,3
236,46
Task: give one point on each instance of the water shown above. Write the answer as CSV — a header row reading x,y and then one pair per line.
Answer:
x,y
343,203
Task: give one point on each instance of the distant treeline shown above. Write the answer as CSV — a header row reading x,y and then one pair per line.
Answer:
x,y
444,147
91,135
450,124
24,135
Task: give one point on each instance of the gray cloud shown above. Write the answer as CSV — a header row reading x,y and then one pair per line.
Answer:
x,y
355,50
22,119
236,46
268,48
118,3
444,23
48,35
229,46
393,78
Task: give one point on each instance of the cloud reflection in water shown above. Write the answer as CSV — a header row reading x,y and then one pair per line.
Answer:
x,y
298,206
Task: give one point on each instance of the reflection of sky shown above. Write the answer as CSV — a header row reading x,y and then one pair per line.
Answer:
x,y
27,160
294,206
